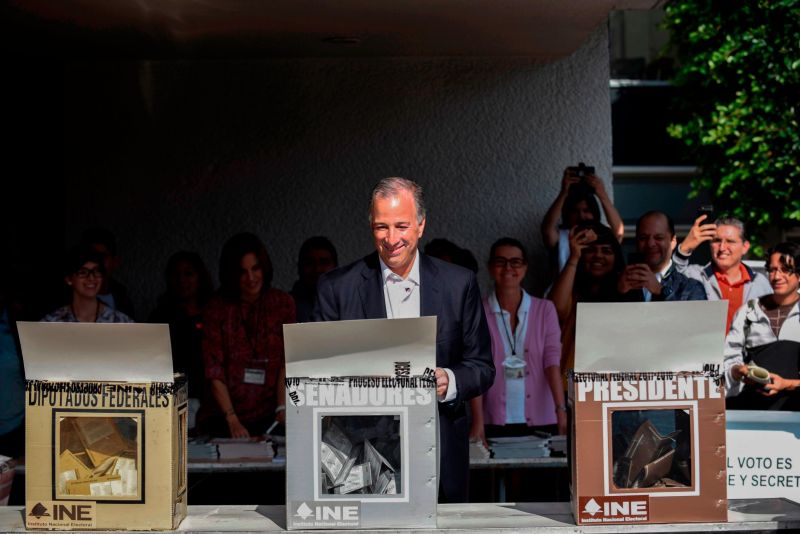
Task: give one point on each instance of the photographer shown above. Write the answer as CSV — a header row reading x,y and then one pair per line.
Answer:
x,y
576,203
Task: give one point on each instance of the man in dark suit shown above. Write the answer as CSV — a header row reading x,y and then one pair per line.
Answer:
x,y
398,281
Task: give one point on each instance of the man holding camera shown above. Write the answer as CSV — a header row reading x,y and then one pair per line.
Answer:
x,y
725,277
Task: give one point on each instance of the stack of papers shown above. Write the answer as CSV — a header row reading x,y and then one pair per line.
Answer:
x,y
558,444
199,449
520,447
253,448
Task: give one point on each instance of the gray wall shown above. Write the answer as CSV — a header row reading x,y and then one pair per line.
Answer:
x,y
181,155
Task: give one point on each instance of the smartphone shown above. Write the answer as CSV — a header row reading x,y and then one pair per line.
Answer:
x,y
635,258
708,211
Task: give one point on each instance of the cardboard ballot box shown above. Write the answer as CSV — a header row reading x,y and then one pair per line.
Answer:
x,y
361,422
647,400
105,427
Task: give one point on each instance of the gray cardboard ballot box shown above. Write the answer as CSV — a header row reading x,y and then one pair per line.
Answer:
x,y
361,420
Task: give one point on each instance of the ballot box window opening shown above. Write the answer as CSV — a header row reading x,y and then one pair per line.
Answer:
x,y
98,455
363,458
667,431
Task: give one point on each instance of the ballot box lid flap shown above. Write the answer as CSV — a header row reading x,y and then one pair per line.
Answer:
x,y
102,352
649,336
367,347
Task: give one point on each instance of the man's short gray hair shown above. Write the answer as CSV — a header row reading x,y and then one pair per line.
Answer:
x,y
391,187
732,221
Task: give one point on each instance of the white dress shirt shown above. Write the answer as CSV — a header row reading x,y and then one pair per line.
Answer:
x,y
401,299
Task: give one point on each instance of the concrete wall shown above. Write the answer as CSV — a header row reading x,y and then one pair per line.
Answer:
x,y
181,155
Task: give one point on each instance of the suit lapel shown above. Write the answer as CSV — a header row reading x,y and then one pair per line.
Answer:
x,y
371,289
431,297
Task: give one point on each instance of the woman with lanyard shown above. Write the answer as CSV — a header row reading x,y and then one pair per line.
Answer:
x,y
243,342
527,394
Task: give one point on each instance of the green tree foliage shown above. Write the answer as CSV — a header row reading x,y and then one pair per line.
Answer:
x,y
739,78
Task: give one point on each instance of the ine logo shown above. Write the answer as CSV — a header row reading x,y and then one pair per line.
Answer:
x,y
317,514
39,511
61,513
592,507
304,512
614,509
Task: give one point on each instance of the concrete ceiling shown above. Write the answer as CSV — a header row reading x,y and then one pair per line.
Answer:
x,y
540,29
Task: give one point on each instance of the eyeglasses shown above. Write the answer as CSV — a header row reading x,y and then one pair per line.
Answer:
x,y
86,273
780,270
501,262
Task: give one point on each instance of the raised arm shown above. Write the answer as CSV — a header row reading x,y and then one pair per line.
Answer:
x,y
561,294
612,215
550,221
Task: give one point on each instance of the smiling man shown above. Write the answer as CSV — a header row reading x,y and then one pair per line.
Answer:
x,y
398,281
725,277
652,276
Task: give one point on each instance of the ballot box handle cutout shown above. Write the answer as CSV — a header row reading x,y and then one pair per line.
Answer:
x,y
98,455
651,448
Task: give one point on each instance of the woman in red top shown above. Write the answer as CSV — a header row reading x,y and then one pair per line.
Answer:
x,y
243,342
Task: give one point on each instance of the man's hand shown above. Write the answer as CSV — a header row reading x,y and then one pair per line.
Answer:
x,y
442,381
638,276
698,233
567,181
236,428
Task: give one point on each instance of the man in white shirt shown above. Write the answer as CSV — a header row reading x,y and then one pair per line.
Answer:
x,y
398,281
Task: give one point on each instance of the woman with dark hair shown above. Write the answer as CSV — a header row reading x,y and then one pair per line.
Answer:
x,y
528,395
83,273
188,290
243,342
577,203
766,332
589,275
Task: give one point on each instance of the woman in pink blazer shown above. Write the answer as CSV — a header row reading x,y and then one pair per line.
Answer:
x,y
527,394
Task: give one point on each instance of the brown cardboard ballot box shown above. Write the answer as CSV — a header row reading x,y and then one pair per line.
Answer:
x,y
647,405
105,424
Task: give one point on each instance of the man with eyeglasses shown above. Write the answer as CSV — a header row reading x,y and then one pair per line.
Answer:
x,y
725,277
766,332
398,281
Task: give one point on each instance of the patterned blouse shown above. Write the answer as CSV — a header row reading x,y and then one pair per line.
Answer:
x,y
106,315
243,348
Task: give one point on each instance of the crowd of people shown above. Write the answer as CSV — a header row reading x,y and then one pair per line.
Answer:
x,y
229,340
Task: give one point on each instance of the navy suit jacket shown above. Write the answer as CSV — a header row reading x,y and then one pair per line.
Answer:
x,y
463,345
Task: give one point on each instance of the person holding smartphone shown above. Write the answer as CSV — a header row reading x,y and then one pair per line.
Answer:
x,y
725,277
653,277
581,188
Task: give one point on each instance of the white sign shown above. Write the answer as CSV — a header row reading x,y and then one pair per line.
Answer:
x,y
763,454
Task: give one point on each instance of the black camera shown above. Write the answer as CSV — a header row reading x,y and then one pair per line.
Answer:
x,y
581,171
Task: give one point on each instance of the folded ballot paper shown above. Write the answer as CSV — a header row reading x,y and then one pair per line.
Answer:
x,y
361,424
